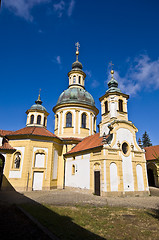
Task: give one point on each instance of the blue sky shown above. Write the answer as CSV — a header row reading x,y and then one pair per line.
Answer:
x,y
37,49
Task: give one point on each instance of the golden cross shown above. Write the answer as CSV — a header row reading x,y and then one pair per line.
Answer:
x,y
77,45
111,65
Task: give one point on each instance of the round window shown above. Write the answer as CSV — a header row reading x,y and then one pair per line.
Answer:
x,y
125,147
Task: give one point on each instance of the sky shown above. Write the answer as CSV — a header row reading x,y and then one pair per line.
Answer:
x,y
37,49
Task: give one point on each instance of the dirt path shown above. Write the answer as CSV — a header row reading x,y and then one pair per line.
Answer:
x,y
73,197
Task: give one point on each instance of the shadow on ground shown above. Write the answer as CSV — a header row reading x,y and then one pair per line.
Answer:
x,y
14,224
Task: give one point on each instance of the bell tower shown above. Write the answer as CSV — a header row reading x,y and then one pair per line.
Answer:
x,y
76,75
113,105
37,114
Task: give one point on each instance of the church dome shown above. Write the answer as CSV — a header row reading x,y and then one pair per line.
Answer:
x,y
77,65
38,105
76,95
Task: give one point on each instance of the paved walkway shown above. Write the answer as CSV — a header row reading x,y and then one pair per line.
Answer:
x,y
73,197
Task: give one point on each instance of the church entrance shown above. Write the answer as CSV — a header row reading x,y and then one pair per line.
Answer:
x,y
151,178
97,183
1,168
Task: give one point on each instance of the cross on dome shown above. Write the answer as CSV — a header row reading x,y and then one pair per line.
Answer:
x,y
112,71
77,48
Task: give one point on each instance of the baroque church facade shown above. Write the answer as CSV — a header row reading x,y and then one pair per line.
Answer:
x,y
109,162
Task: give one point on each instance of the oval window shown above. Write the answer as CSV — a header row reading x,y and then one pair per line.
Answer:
x,y
125,147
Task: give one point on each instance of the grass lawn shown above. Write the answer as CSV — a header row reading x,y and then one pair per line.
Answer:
x,y
89,222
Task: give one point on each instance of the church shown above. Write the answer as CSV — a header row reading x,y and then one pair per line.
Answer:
x,y
108,162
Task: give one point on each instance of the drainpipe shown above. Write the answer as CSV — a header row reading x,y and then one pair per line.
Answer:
x,y
64,169
27,182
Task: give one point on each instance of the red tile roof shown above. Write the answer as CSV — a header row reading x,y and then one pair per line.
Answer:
x,y
5,132
6,145
37,131
90,142
152,152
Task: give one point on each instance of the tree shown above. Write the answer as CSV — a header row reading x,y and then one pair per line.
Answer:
x,y
146,142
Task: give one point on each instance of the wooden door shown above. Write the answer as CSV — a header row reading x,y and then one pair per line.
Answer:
x,y
97,183
37,181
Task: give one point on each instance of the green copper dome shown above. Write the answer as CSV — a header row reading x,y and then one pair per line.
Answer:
x,y
76,95
38,105
113,84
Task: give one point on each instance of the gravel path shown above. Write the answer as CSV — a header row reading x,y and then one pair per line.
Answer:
x,y
73,197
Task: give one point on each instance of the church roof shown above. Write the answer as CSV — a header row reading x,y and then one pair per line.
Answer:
x,y
35,131
152,152
87,143
5,132
76,95
6,145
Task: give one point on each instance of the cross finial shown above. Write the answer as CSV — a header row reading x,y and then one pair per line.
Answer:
x,y
111,65
112,71
77,48
39,91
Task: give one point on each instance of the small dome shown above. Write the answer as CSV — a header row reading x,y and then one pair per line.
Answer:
x,y
76,95
76,65
113,85
38,107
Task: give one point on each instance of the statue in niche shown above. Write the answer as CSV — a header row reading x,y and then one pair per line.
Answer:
x,y
17,161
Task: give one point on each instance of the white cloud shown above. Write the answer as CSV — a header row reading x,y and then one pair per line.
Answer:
x,y
64,7
143,74
59,8
22,8
88,73
58,60
71,7
95,83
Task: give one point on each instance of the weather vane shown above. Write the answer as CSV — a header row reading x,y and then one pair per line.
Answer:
x,y
77,48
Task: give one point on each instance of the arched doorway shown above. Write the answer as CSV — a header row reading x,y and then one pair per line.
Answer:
x,y
151,178
152,174
1,168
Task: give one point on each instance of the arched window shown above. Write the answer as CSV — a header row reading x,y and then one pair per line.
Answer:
x,y
17,159
106,106
32,119
39,119
84,120
74,79
79,80
39,160
57,120
73,169
120,105
44,121
69,119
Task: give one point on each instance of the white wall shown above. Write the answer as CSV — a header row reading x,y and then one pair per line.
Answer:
x,y
81,178
55,163
113,177
123,135
140,180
